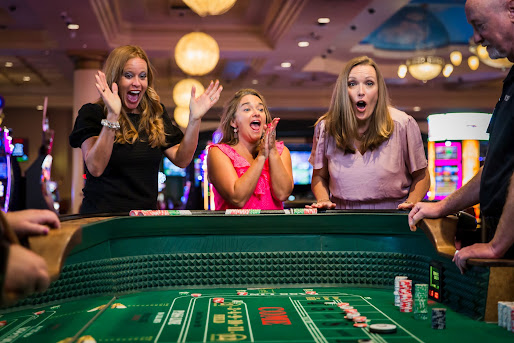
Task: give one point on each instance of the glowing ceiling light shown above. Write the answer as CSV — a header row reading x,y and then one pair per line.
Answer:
x,y
473,62
402,71
197,53
209,7
447,70
182,91
425,68
456,58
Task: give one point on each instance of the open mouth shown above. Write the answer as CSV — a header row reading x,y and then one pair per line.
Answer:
x,y
255,125
361,105
133,96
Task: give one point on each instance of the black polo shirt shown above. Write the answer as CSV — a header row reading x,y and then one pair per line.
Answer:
x,y
499,163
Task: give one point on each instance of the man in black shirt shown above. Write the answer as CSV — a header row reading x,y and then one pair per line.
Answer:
x,y
493,27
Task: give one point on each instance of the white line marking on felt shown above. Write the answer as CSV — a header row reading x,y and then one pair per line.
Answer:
x,y
313,329
398,325
165,321
189,315
249,325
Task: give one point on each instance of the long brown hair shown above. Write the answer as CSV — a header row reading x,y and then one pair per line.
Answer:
x,y
340,120
150,106
229,114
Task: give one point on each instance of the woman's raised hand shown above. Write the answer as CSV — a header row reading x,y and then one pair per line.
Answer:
x,y
110,96
198,106
269,138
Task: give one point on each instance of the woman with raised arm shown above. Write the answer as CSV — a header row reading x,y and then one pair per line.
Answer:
x,y
124,135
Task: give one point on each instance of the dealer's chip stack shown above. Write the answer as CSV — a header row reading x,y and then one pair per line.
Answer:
x,y
421,301
405,295
438,318
506,315
397,289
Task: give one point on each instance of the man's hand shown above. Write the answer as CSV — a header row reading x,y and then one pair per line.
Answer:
x,y
424,210
478,250
32,222
26,273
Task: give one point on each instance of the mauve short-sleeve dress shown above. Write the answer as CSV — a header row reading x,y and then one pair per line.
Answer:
x,y
379,179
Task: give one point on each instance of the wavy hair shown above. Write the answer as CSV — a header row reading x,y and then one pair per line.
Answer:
x,y
341,121
229,114
150,106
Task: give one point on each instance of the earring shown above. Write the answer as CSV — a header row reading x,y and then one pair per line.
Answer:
x,y
235,132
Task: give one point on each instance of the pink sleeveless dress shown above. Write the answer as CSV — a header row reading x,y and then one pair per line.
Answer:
x,y
262,197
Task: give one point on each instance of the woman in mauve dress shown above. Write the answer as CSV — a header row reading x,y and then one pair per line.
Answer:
x,y
365,153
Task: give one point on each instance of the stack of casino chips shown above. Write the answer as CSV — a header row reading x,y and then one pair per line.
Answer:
x,y
405,291
506,315
352,314
397,289
421,301
438,318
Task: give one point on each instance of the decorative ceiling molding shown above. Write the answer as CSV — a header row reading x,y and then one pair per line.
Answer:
x,y
281,15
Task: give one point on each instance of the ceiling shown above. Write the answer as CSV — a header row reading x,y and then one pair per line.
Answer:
x,y
254,37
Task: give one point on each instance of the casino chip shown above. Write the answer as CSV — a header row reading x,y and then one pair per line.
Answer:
x,y
360,325
218,300
382,328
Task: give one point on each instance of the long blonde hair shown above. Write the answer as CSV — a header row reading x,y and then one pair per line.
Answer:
x,y
340,120
229,114
150,106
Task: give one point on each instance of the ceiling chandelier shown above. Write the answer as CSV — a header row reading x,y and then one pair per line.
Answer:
x,y
425,68
209,7
197,53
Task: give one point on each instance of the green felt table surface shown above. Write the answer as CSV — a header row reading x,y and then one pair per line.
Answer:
x,y
266,315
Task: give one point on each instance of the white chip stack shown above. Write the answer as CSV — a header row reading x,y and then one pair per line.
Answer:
x,y
396,292
506,315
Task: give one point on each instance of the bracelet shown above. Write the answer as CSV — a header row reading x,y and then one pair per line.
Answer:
x,y
111,125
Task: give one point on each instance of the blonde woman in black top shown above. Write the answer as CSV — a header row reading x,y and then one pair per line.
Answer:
x,y
124,135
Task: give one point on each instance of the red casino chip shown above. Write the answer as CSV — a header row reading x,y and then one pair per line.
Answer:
x,y
39,312
3,323
218,300
343,304
360,319
360,325
311,292
242,293
196,295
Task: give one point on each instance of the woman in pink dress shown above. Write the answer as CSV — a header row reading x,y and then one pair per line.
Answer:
x,y
366,154
248,168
